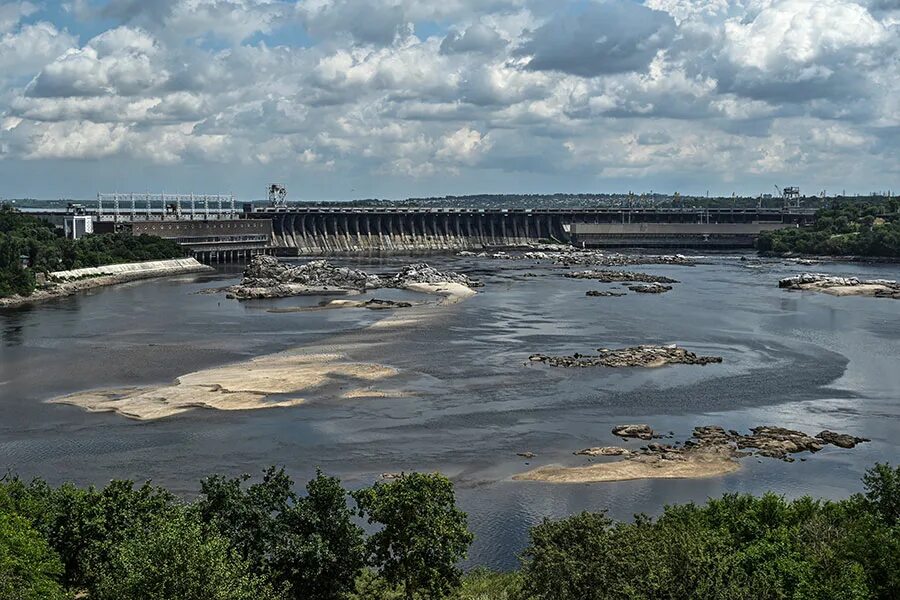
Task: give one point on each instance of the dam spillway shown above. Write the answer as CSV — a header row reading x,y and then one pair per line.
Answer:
x,y
305,230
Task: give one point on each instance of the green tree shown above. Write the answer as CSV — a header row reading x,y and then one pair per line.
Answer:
x,y
423,533
248,518
319,551
308,545
174,558
29,569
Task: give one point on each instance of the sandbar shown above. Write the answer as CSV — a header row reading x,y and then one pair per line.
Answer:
x,y
241,386
694,466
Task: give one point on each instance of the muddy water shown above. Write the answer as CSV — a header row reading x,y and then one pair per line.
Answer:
x,y
803,360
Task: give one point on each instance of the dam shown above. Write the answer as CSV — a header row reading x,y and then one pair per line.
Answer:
x,y
303,230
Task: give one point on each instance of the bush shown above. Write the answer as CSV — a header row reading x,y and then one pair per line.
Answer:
x,y
174,558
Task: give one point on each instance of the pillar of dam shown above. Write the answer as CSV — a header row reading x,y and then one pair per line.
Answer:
x,y
333,230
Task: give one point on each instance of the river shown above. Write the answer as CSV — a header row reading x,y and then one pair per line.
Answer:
x,y
802,360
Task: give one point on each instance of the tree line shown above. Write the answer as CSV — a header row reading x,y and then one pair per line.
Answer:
x,y
844,229
403,540
29,246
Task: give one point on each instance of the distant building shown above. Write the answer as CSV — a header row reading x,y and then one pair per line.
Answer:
x,y
77,226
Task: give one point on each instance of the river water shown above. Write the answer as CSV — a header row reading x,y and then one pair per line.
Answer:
x,y
802,360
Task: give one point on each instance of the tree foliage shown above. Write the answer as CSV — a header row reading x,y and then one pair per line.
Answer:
x,y
738,547
175,558
309,546
29,568
859,229
423,535
242,541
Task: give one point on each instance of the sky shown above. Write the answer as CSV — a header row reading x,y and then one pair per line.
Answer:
x,y
344,99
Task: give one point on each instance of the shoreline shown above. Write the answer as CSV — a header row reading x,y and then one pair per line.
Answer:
x,y
67,283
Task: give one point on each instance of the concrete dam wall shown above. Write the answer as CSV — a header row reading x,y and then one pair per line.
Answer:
x,y
334,230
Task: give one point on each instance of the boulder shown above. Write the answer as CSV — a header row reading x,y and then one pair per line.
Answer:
x,y
643,432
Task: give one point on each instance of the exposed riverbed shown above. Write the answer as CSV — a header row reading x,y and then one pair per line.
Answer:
x,y
456,393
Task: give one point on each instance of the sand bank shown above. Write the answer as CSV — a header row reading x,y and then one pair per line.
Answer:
x,y
241,386
693,466
451,292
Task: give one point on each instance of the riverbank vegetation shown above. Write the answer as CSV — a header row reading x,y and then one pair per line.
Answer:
x,y
29,246
845,229
240,541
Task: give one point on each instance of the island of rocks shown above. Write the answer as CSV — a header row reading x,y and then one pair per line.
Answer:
x,y
711,451
620,276
637,356
605,294
569,255
267,277
842,286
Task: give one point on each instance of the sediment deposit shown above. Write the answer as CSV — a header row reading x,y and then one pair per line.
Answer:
x,y
241,386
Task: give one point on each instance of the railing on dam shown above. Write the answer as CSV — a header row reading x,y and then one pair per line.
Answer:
x,y
309,229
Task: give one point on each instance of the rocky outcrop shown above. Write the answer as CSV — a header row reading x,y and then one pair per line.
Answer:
x,y
267,277
569,255
603,451
650,288
842,286
620,276
604,294
641,432
423,273
711,452
268,271
769,441
842,440
638,356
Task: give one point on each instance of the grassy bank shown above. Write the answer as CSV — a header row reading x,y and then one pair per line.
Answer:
x,y
240,541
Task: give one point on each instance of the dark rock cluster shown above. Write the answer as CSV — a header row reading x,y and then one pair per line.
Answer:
x,y
638,356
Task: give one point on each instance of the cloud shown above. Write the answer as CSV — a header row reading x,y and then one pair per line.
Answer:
x,y
119,61
29,48
599,38
11,13
404,97
475,38
797,50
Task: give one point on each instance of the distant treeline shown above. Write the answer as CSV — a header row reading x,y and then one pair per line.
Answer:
x,y
29,245
843,229
262,541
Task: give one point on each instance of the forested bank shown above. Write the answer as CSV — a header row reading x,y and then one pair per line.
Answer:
x,y
240,540
29,246
845,229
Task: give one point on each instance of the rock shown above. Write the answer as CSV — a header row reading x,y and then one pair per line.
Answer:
x,y
378,304
526,454
599,293
638,356
604,451
841,440
650,288
616,276
267,277
423,273
842,286
643,432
